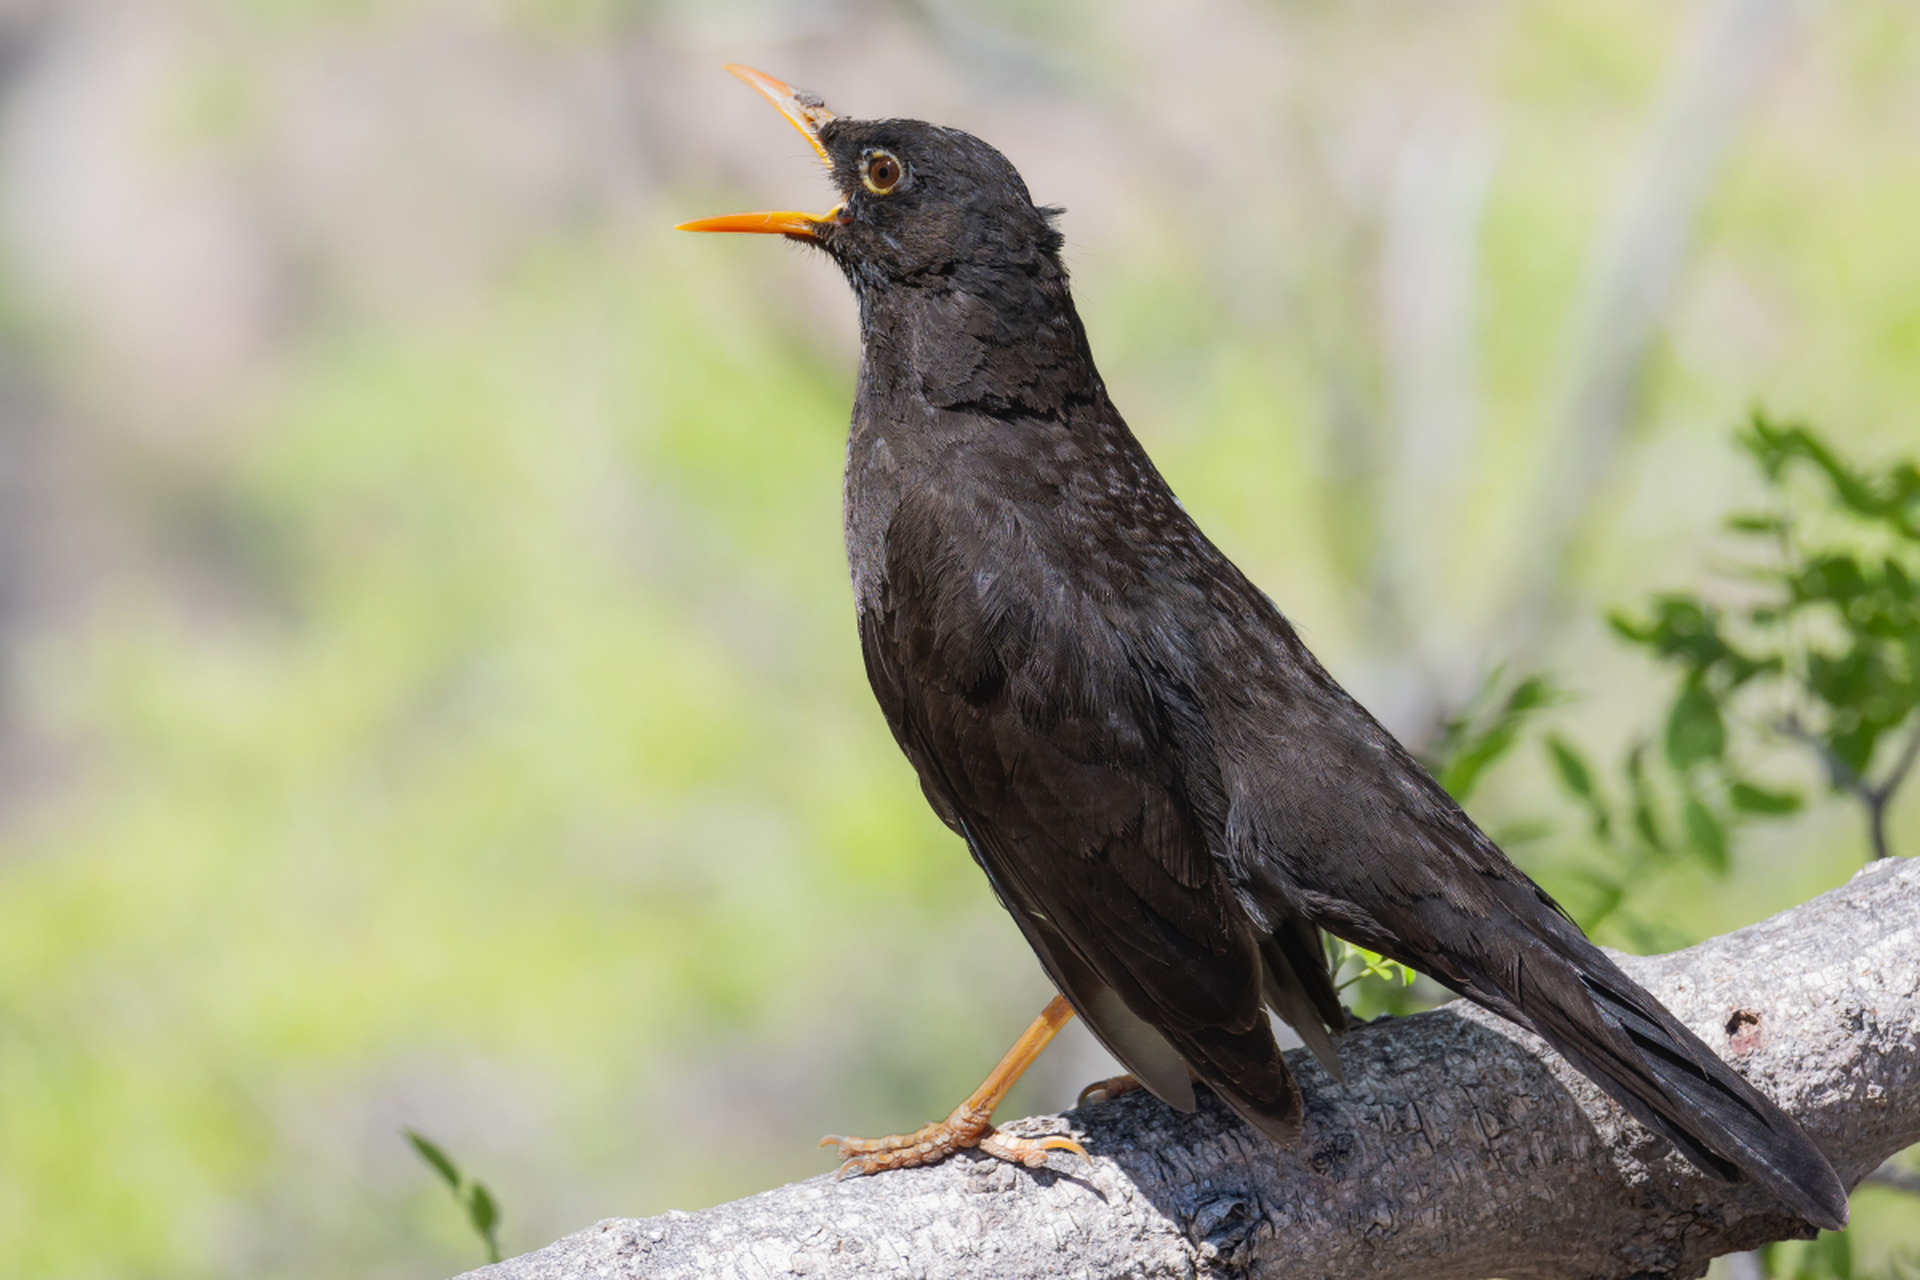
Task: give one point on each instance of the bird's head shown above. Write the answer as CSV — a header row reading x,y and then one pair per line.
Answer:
x,y
920,203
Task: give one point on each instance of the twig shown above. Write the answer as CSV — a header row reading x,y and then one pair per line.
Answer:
x,y
1845,777
1883,794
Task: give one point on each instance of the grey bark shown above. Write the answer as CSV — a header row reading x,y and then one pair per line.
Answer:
x,y
1459,1146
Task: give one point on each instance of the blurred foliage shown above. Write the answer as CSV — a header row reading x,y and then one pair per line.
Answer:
x,y
1819,648
1831,654
1488,728
544,750
1828,1256
475,1201
1823,651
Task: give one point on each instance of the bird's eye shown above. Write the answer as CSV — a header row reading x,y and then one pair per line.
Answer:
x,y
882,173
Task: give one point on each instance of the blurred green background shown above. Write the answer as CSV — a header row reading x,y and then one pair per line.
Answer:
x,y
431,696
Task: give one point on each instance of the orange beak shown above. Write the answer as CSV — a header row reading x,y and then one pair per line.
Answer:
x,y
804,112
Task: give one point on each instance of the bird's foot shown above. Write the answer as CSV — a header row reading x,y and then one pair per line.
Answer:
x,y
967,1127
971,1124
1107,1090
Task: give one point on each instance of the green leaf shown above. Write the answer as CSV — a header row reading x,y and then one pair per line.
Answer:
x,y
1608,895
1706,835
1577,777
1695,731
434,1156
1891,498
1751,799
478,1202
1753,522
1574,773
1834,579
1463,772
1533,693
481,1208
1898,582
1372,965
1627,629
1474,741
485,1216
1644,821
1685,630
1852,745
1841,681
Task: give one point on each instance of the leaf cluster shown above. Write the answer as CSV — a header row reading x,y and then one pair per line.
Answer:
x,y
1486,729
1816,647
1366,964
1823,652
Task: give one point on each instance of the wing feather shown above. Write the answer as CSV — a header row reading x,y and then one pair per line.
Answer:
x,y
1039,736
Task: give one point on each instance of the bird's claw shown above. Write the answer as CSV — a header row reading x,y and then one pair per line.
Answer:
x,y
1030,1152
933,1143
929,1144
1107,1090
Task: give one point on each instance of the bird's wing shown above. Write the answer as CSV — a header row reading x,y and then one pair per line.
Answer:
x,y
1340,821
1037,735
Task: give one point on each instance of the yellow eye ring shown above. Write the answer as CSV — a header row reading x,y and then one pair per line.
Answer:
x,y
881,171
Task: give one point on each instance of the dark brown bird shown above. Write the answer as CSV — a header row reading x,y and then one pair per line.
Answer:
x,y
1165,789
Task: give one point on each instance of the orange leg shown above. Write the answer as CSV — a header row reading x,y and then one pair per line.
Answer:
x,y
971,1124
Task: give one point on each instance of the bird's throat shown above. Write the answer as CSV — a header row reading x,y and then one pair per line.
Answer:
x,y
1012,348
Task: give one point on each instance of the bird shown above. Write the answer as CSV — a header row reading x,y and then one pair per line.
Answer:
x,y
1166,790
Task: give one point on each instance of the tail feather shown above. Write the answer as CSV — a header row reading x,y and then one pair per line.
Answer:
x,y
1712,1113
1619,1036
1246,1071
1298,986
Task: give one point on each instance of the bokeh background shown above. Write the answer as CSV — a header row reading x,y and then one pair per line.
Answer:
x,y
431,695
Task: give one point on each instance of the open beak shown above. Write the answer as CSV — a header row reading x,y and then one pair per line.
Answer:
x,y
804,112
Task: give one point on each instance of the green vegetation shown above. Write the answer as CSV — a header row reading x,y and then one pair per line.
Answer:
x,y
1834,658
470,1194
1818,649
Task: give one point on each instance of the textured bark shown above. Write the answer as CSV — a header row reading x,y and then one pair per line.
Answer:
x,y
1459,1146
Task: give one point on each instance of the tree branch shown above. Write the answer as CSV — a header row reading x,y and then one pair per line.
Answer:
x,y
1883,794
1873,797
1458,1147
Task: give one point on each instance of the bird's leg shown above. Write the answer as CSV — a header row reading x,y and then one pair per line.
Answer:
x,y
971,1124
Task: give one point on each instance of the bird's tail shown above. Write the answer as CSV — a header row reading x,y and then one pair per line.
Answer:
x,y
1684,1090
1610,1028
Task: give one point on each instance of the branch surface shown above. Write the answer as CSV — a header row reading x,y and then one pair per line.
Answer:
x,y
1459,1147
